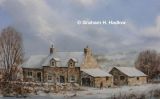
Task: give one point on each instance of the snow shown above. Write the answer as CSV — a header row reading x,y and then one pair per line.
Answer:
x,y
96,93
34,61
96,72
37,61
130,71
74,59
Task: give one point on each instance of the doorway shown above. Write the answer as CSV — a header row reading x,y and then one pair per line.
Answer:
x,y
62,79
86,82
39,76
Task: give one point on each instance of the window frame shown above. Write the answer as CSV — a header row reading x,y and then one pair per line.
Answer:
x,y
49,76
52,63
72,78
71,63
29,74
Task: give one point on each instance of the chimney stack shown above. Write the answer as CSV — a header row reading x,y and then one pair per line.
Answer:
x,y
51,49
87,51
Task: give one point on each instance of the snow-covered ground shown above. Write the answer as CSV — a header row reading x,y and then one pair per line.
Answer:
x,y
96,93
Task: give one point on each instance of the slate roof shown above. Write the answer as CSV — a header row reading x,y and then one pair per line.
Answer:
x,y
62,58
96,72
130,71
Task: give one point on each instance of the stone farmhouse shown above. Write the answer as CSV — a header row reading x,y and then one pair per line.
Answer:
x,y
127,76
77,67
66,67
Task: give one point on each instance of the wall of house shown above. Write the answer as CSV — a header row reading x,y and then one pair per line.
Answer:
x,y
137,80
95,81
55,72
34,74
74,71
117,77
107,81
58,73
86,80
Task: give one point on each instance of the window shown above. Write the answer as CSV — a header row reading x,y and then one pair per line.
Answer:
x,y
137,78
29,74
71,63
122,77
49,77
72,78
53,62
107,78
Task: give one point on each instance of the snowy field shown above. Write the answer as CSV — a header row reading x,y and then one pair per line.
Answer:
x,y
95,93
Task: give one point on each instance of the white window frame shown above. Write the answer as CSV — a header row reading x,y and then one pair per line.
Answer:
x,y
29,74
72,78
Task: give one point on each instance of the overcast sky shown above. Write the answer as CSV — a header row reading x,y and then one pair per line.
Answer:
x,y
43,22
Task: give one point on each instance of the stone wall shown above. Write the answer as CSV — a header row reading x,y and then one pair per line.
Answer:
x,y
96,81
117,77
58,73
87,80
107,81
137,80
127,80
89,60
34,74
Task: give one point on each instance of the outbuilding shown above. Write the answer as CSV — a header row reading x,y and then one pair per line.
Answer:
x,y
127,76
95,77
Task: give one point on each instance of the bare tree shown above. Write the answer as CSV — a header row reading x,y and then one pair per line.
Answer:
x,y
11,53
148,62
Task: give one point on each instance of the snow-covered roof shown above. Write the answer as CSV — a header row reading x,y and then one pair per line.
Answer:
x,y
75,60
37,61
34,61
130,71
96,72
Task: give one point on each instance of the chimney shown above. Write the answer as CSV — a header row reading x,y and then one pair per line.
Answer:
x,y
87,51
51,49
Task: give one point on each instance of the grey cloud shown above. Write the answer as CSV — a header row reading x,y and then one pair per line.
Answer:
x,y
42,24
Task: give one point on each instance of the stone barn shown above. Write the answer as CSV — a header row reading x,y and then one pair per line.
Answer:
x,y
127,76
95,77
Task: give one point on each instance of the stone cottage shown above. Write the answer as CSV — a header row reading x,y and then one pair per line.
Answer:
x,y
127,76
65,67
57,67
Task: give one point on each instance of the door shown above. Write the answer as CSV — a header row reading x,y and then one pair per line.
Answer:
x,y
39,76
62,80
115,80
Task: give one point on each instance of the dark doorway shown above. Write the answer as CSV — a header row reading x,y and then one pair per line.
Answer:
x,y
39,76
86,82
115,80
62,80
